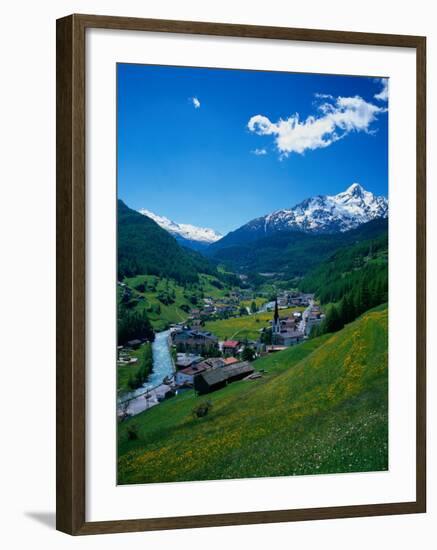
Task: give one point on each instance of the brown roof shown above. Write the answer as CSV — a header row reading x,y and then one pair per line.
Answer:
x,y
239,368
215,376
195,369
215,362
231,360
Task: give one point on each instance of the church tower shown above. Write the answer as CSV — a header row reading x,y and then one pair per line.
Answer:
x,y
276,327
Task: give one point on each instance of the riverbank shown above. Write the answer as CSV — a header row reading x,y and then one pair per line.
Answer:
x,y
134,368
321,407
153,390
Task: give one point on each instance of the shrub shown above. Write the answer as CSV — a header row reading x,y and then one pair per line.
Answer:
x,y
132,432
202,409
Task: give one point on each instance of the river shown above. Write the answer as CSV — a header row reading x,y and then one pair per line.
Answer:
x,y
162,367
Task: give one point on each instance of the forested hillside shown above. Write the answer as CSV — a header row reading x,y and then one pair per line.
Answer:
x,y
147,249
292,253
353,280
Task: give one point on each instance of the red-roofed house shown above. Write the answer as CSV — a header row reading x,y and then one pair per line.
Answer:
x,y
230,347
231,360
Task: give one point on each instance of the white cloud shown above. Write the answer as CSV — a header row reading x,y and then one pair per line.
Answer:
x,y
338,118
195,101
323,96
383,94
259,152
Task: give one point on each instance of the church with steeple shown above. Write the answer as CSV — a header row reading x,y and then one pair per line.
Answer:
x,y
284,331
276,325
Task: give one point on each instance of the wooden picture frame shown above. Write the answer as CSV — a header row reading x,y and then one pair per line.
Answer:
x,y
71,284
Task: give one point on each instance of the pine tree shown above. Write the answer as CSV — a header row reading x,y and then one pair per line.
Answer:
x,y
332,320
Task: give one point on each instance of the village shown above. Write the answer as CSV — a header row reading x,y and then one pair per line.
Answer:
x,y
198,359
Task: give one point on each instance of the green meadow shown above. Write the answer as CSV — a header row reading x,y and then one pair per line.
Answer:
x,y
148,289
245,327
320,407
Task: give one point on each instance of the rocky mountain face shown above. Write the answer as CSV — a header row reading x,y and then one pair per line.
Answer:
x,y
323,214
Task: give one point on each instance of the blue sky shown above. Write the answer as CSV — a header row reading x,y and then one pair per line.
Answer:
x,y
217,148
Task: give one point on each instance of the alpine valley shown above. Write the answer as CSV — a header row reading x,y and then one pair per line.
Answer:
x,y
315,275
252,280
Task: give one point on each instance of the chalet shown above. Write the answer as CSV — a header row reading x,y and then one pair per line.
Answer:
x,y
186,376
230,347
215,362
238,371
194,341
217,378
185,360
209,381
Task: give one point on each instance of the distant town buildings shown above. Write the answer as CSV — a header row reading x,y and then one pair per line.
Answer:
x,y
311,316
194,341
285,331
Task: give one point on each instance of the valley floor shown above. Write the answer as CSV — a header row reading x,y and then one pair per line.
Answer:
x,y
320,407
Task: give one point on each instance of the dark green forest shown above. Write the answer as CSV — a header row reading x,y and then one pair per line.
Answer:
x,y
147,249
132,324
353,280
293,253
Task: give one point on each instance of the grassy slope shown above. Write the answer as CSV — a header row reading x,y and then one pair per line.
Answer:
x,y
258,301
172,313
322,408
245,327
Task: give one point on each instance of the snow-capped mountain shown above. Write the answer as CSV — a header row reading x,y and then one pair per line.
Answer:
x,y
329,213
187,234
320,214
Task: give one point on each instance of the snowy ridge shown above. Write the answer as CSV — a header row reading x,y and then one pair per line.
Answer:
x,y
185,230
327,213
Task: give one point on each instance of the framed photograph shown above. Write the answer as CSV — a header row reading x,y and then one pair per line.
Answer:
x,y
240,274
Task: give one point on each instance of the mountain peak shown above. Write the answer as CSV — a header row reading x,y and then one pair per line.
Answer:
x,y
187,231
321,214
355,189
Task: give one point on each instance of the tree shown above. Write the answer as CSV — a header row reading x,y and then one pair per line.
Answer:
x,y
132,325
332,320
253,308
346,309
248,354
266,336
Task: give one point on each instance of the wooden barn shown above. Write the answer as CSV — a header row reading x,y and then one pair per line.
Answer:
x,y
215,379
